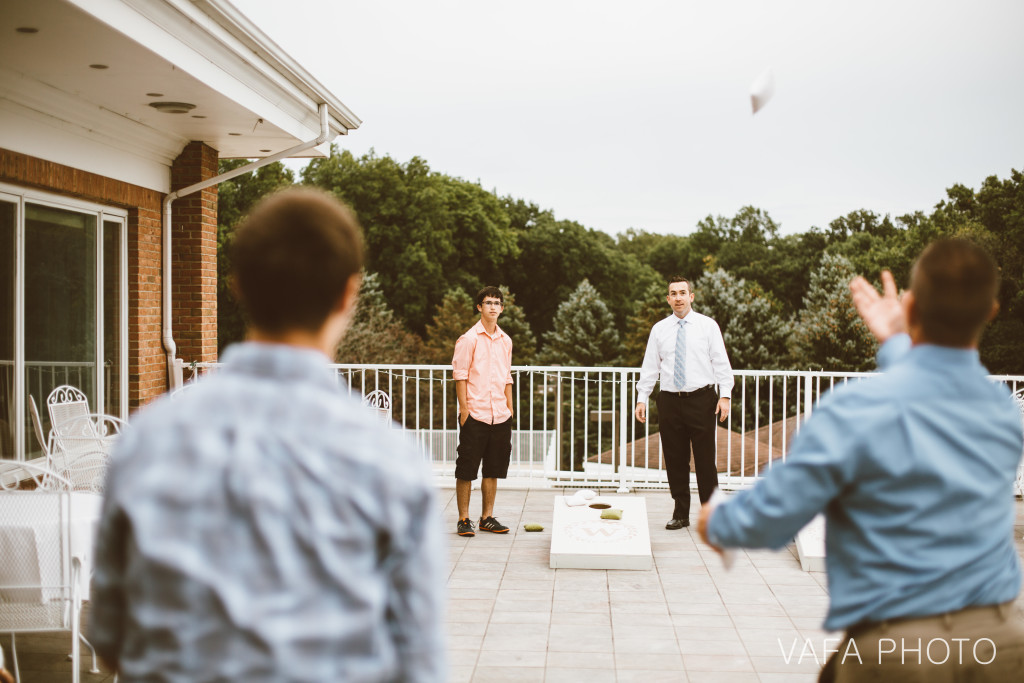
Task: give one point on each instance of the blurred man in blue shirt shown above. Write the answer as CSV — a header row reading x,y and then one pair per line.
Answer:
x,y
264,527
913,470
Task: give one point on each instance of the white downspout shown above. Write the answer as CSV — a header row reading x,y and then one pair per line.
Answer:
x,y
326,135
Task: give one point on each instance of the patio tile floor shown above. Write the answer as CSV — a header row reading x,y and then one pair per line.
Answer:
x,y
687,619
512,618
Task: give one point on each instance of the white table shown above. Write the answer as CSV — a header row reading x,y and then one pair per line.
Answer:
x,y
31,532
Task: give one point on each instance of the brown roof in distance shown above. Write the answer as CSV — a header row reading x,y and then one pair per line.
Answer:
x,y
736,452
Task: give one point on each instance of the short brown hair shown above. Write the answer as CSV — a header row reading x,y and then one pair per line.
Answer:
x,y
955,283
293,257
679,278
489,291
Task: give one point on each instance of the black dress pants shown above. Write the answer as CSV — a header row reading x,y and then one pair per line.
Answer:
x,y
685,421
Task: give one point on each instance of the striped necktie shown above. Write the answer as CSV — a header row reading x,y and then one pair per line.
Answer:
x,y
679,371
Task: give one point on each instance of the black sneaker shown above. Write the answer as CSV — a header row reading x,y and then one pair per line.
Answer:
x,y
492,525
465,527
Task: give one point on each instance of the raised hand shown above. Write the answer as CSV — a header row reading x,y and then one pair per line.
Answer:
x,y
882,313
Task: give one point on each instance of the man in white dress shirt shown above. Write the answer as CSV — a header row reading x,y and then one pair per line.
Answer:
x,y
687,352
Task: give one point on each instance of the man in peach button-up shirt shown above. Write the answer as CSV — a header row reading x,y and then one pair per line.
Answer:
x,y
482,368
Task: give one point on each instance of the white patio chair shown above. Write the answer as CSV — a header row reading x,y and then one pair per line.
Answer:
x,y
37,425
380,402
44,536
80,449
13,474
65,403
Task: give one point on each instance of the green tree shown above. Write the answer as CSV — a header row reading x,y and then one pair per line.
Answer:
x,y
872,243
452,317
556,254
667,255
755,331
748,239
649,310
425,232
786,267
456,313
375,335
513,321
584,333
235,198
756,335
828,333
749,246
750,227
861,222
994,217
707,240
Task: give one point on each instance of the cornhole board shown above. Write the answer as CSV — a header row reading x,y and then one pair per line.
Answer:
x,y
810,545
580,539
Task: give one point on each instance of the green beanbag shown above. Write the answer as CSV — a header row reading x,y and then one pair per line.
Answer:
x,y
533,527
611,513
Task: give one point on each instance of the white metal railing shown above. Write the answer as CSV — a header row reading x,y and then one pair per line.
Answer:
x,y
574,426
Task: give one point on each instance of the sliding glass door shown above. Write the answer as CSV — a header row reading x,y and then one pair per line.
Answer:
x,y
62,310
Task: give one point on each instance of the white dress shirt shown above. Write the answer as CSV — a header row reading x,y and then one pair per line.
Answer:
x,y
706,359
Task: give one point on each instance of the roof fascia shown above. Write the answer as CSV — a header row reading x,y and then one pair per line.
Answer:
x,y
182,33
244,30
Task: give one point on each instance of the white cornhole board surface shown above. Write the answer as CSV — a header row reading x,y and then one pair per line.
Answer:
x,y
810,545
580,539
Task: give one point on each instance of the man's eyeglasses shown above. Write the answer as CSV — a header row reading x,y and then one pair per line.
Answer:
x,y
492,303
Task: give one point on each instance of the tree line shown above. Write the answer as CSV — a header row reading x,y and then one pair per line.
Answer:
x,y
578,296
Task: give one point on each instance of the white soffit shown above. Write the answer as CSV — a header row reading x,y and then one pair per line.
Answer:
x,y
205,53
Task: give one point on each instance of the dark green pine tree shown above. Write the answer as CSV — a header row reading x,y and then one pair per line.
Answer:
x,y
375,334
452,317
829,335
583,332
755,331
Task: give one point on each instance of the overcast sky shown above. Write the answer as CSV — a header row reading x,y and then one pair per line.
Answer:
x,y
637,114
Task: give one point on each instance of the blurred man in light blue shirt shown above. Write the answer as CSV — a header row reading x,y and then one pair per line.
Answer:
x,y
913,470
264,527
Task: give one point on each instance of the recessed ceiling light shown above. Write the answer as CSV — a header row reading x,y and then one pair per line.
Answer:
x,y
172,107
234,133
198,116
264,150
154,94
99,67
27,29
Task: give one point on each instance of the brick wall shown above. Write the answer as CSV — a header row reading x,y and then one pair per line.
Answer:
x,y
147,364
194,255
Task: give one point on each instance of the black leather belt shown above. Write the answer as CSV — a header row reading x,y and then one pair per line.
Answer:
x,y
709,387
